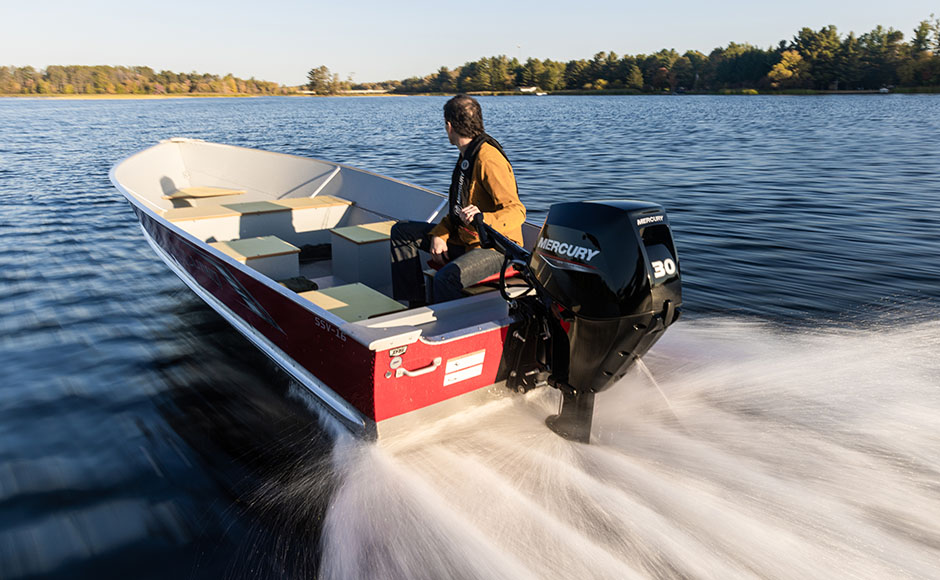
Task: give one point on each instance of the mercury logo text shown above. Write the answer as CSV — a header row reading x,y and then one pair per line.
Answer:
x,y
649,220
566,249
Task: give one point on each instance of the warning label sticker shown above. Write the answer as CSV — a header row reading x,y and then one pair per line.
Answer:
x,y
464,367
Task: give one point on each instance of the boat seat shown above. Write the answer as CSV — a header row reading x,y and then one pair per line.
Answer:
x,y
366,233
253,207
269,255
309,202
361,253
298,220
312,217
353,302
293,203
200,192
182,214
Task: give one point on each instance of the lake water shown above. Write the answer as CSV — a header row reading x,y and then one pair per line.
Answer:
x,y
789,426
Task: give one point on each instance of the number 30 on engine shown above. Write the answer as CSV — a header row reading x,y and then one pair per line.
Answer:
x,y
662,268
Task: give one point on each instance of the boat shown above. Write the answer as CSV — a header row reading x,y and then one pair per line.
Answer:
x,y
294,253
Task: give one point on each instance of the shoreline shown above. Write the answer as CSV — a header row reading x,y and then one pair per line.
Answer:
x,y
134,97
563,93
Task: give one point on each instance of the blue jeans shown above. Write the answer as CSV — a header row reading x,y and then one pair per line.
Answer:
x,y
466,267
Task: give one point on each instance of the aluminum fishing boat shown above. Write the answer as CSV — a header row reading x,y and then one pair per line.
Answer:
x,y
294,253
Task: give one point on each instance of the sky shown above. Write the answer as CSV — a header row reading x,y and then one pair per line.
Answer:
x,y
374,40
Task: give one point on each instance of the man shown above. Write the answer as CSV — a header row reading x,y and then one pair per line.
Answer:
x,y
482,183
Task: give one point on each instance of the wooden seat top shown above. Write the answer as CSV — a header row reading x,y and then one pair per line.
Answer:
x,y
366,233
187,192
252,207
309,202
255,207
353,302
179,214
251,248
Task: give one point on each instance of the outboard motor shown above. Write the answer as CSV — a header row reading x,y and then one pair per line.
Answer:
x,y
606,283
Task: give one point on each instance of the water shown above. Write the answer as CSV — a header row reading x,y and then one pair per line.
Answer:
x,y
785,455
140,436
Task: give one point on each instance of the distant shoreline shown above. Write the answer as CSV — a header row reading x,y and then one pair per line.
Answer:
x,y
564,93
127,97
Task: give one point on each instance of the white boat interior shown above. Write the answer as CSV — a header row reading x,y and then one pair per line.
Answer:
x,y
295,221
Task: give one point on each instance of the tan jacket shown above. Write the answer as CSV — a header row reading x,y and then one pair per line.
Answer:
x,y
492,188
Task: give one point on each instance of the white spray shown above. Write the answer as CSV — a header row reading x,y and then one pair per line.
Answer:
x,y
795,455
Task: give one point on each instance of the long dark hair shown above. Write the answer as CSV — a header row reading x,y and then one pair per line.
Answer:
x,y
464,115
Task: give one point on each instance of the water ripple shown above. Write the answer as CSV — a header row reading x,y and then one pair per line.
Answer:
x,y
131,416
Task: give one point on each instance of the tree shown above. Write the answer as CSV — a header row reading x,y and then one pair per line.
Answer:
x,y
935,27
682,74
850,63
820,51
482,79
660,80
921,40
26,78
501,73
445,81
576,74
789,71
739,65
57,78
6,80
319,80
336,84
634,78
532,72
415,85
597,68
610,66
229,84
880,53
699,64
475,76
656,67
465,77
553,76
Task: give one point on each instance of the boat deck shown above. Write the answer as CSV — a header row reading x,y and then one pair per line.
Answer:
x,y
267,210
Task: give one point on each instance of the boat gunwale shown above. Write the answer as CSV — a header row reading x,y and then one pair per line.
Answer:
x,y
369,333
251,272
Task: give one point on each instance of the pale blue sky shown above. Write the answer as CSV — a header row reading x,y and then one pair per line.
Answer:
x,y
280,40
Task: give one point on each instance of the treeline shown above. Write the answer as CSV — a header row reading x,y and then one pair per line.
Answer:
x,y
121,80
816,60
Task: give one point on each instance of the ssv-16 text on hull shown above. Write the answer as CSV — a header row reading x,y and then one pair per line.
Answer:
x,y
294,253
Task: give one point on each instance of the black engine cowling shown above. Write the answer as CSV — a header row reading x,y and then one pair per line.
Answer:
x,y
612,271
607,285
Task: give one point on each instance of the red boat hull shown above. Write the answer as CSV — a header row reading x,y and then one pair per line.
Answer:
x,y
363,378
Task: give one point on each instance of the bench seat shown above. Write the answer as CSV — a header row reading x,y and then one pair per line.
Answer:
x,y
353,302
182,214
362,253
366,233
268,255
299,220
201,192
310,202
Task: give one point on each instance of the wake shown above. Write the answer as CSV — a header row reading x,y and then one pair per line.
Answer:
x,y
764,454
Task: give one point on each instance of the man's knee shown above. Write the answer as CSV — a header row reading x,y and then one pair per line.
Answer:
x,y
399,232
409,234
